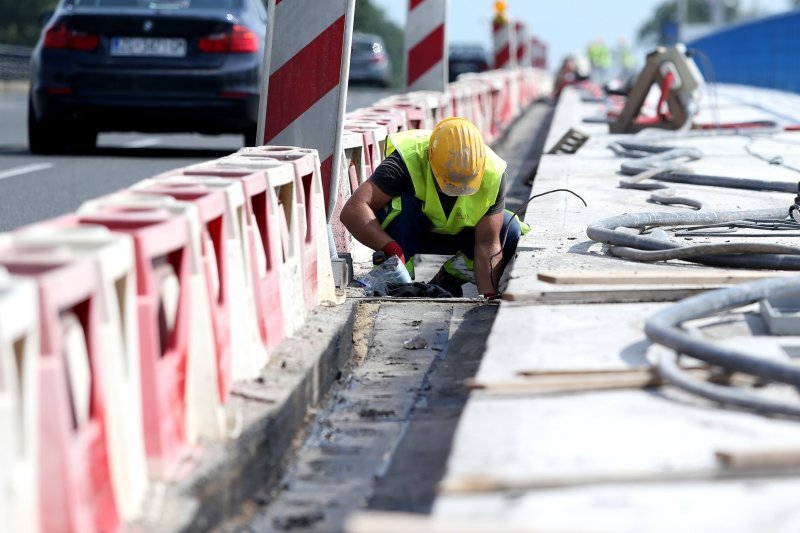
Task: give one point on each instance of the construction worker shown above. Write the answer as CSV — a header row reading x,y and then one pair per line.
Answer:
x,y
600,58
439,192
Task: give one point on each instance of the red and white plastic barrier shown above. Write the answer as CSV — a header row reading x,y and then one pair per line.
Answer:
x,y
319,286
19,403
179,289
425,45
113,255
75,488
286,219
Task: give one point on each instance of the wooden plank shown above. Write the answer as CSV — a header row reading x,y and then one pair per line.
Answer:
x,y
640,277
584,381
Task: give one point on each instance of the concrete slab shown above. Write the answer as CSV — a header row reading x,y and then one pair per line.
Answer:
x,y
624,460
566,337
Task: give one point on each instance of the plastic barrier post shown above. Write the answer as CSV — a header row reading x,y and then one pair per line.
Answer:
x,y
19,404
318,269
425,45
113,255
75,488
248,352
374,140
175,284
205,415
283,219
215,223
308,55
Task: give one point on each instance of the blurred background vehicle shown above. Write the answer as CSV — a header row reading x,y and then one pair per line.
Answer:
x,y
369,61
148,66
466,58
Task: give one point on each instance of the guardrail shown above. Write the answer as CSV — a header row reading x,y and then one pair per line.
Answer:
x,y
14,62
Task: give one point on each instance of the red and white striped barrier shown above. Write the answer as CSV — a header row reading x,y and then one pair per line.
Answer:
x,y
538,53
523,52
504,44
425,45
307,60
113,255
75,488
19,404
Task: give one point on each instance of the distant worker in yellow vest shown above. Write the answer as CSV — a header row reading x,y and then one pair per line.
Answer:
x,y
600,58
439,192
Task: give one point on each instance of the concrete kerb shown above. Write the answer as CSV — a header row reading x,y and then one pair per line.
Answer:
x,y
274,410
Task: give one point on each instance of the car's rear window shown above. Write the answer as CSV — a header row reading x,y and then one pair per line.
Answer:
x,y
367,45
221,5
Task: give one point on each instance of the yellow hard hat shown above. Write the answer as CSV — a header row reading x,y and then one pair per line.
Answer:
x,y
457,156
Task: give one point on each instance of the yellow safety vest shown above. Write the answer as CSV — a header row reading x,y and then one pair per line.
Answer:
x,y
468,210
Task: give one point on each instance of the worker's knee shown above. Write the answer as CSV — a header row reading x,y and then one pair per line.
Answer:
x,y
509,235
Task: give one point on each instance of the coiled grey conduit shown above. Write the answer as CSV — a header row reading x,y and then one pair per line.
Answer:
x,y
646,163
607,231
665,328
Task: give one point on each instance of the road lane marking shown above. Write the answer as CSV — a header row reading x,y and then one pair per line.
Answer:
x,y
143,143
27,169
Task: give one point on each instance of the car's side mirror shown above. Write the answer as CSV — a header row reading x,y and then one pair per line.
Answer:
x,y
45,17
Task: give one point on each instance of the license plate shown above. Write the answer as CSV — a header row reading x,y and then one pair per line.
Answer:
x,y
147,47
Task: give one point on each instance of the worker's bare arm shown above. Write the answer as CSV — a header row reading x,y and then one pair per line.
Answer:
x,y
487,248
358,215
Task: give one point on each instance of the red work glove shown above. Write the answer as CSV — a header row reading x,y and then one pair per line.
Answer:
x,y
394,249
491,295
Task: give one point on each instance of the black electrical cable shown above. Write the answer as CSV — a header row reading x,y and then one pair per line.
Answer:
x,y
516,213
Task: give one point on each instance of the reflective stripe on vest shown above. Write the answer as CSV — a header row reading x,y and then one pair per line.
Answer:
x,y
468,210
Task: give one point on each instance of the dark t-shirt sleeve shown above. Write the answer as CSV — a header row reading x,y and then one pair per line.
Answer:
x,y
392,176
500,203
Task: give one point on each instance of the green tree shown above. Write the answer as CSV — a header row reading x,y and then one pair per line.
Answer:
x,y
19,20
698,11
370,19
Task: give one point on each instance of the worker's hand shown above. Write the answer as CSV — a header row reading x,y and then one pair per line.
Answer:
x,y
393,248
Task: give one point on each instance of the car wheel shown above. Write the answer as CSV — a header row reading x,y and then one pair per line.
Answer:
x,y
250,137
43,138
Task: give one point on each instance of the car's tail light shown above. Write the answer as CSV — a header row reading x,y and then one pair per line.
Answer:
x,y
218,43
61,37
79,40
243,41
239,41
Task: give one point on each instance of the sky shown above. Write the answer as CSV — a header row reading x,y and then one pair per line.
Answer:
x,y
566,25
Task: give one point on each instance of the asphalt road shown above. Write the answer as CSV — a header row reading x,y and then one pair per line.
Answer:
x,y
34,188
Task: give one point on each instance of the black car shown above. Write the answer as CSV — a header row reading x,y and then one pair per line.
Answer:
x,y
465,58
369,61
148,66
